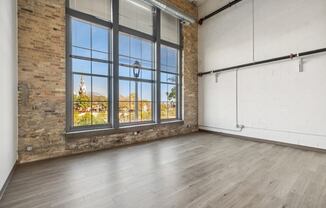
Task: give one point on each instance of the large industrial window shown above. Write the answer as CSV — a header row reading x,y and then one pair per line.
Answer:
x,y
123,67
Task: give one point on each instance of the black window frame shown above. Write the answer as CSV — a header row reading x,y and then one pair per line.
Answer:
x,y
113,111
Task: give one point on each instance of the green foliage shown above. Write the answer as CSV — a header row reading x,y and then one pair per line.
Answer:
x,y
172,95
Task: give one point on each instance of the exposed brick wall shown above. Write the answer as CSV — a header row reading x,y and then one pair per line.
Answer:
x,y
42,74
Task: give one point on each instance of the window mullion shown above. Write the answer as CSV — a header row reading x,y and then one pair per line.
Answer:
x,y
115,51
157,34
179,84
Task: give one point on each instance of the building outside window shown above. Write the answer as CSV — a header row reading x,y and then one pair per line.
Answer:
x,y
140,83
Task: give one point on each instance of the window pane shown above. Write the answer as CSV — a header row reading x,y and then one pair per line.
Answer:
x,y
124,114
164,110
100,37
164,92
169,28
98,8
132,49
132,112
100,68
147,64
164,55
171,94
147,51
127,90
146,111
124,71
172,110
100,89
135,48
137,15
82,88
169,59
80,33
172,57
77,51
79,65
99,113
82,113
146,74
100,55
146,91
168,102
169,78
124,44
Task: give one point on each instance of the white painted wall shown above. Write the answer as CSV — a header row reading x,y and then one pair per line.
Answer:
x,y
8,88
275,101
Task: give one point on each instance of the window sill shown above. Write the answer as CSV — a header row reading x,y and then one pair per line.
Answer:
x,y
123,129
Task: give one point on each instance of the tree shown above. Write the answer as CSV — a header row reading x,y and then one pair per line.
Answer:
x,y
172,95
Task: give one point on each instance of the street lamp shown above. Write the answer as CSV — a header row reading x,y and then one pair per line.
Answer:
x,y
136,68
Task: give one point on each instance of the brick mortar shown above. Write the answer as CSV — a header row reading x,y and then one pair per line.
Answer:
x,y
42,92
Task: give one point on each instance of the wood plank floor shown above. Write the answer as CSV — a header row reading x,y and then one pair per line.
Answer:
x,y
196,170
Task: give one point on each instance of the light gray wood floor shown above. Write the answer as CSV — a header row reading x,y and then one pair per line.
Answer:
x,y
196,170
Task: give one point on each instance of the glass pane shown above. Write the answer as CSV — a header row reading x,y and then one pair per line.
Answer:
x,y
145,111
100,37
100,89
82,88
164,77
164,92
100,68
146,74
124,90
132,94
124,60
169,59
99,113
124,71
147,50
76,51
132,112
172,110
98,8
80,33
135,48
79,65
124,114
164,110
127,91
82,113
147,64
169,28
100,55
124,42
145,91
170,78
172,57
137,15
164,55
171,94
